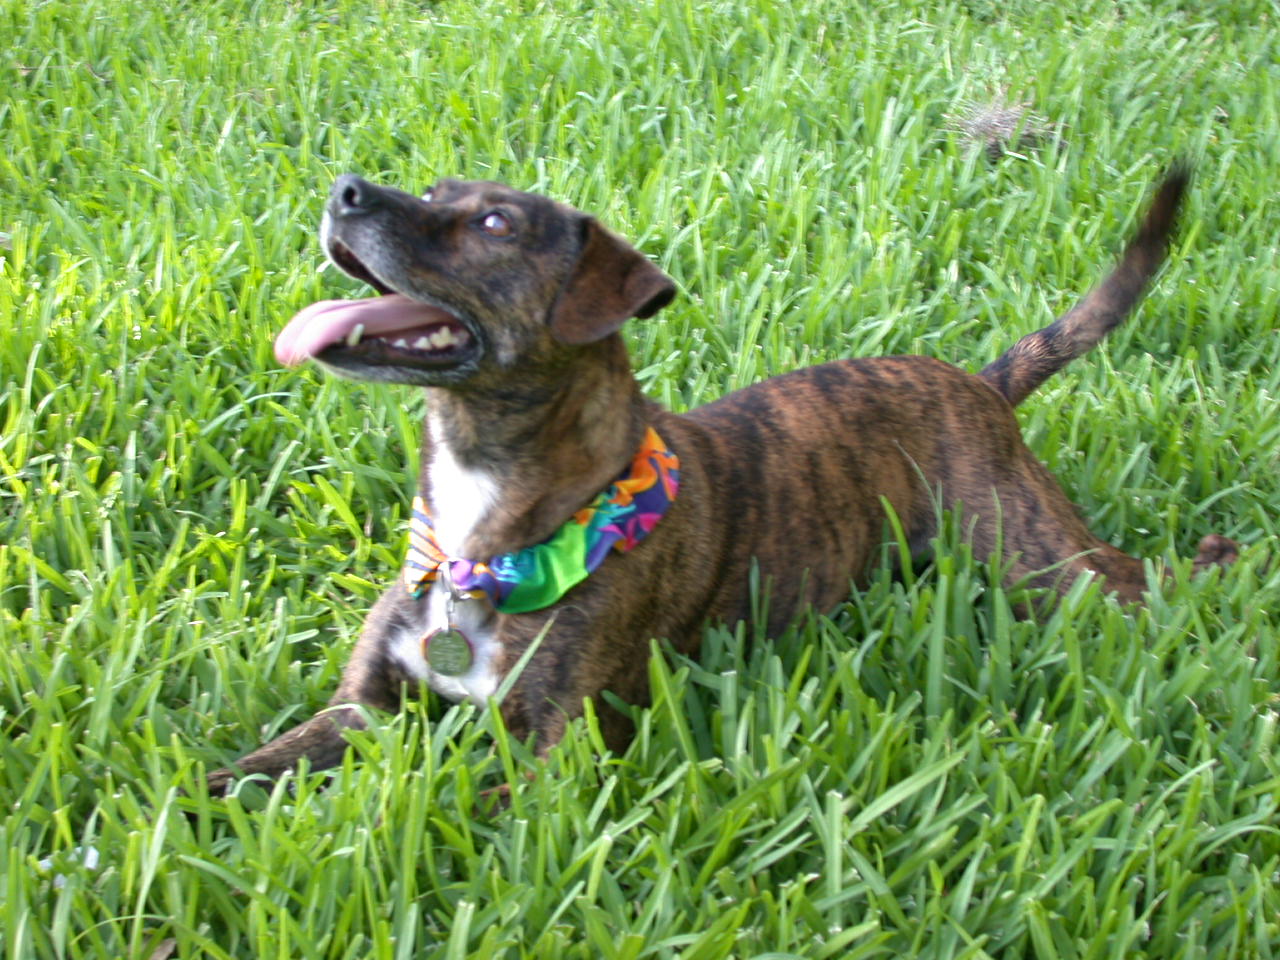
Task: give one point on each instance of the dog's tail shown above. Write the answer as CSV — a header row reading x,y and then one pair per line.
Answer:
x,y
1037,356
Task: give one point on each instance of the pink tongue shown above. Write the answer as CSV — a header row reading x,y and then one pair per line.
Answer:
x,y
328,322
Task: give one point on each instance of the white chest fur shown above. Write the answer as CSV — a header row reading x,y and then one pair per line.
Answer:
x,y
460,498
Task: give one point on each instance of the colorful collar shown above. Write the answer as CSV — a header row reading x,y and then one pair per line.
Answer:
x,y
538,576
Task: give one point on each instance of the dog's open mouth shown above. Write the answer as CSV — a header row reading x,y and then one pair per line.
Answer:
x,y
387,330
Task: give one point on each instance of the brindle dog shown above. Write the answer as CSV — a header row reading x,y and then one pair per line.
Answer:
x,y
506,306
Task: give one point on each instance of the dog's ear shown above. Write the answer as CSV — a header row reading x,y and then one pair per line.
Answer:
x,y
611,282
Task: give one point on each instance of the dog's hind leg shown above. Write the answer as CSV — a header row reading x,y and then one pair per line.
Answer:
x,y
1045,543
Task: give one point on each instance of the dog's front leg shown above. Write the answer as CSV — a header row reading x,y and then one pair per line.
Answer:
x,y
369,680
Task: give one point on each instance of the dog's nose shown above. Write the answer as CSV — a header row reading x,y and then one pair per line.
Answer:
x,y
352,196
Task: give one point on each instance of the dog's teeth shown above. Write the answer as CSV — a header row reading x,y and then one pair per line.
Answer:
x,y
400,342
354,336
444,337
422,343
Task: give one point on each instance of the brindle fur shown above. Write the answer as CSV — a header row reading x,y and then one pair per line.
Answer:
x,y
788,473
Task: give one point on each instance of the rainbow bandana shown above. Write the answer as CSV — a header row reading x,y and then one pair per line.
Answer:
x,y
538,576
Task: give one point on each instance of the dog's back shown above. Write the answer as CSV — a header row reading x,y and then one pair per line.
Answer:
x,y
835,442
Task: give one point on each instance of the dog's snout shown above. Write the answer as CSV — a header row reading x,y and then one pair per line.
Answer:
x,y
352,196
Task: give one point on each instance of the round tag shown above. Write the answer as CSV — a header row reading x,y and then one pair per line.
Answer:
x,y
449,652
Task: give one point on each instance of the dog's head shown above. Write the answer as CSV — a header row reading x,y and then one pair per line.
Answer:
x,y
475,278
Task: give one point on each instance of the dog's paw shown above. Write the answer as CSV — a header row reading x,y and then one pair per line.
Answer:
x,y
218,781
1216,551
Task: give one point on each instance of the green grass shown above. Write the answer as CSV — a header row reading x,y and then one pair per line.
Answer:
x,y
189,535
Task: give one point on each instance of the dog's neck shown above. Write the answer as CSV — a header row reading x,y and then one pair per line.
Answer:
x,y
503,468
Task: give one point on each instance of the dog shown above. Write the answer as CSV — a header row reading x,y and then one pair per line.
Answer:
x,y
554,497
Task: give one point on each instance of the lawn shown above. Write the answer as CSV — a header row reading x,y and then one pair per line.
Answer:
x,y
189,534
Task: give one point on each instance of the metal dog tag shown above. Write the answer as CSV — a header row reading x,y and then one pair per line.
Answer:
x,y
449,652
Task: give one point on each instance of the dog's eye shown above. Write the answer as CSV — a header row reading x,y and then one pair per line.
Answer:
x,y
496,225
